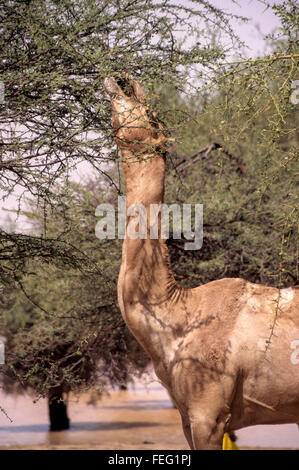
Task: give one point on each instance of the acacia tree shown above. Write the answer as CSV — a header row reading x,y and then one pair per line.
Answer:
x,y
238,158
54,56
237,153
62,325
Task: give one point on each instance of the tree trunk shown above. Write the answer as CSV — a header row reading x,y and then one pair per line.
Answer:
x,y
57,410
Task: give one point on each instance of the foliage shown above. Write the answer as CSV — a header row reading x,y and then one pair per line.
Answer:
x,y
62,324
54,56
248,183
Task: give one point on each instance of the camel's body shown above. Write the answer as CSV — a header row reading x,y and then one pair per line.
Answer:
x,y
223,350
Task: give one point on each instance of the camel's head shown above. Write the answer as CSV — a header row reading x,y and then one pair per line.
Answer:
x,y
135,127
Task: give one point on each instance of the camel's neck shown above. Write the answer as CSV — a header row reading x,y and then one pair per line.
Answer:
x,y
147,291
145,275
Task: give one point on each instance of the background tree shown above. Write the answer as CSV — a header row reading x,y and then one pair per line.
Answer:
x,y
62,326
238,156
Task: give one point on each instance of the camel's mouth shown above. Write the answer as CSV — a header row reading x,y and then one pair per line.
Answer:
x,y
125,84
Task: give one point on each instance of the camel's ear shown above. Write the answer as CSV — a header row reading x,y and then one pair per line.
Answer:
x,y
138,92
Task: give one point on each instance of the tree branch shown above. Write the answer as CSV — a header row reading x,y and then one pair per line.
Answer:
x,y
204,152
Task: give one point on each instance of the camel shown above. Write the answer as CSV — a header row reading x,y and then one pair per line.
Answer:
x,y
223,350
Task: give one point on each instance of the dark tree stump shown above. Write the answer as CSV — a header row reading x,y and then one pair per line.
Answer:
x,y
59,420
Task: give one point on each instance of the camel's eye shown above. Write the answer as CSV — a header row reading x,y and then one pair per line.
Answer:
x,y
125,85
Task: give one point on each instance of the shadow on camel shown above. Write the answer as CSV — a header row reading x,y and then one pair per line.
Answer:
x,y
223,350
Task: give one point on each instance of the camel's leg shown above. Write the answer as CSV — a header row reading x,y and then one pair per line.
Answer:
x,y
187,431
208,419
207,434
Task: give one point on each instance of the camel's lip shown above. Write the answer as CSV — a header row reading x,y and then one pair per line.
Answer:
x,y
111,86
119,85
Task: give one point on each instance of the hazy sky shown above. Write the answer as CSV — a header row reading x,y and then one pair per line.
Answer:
x,y
258,14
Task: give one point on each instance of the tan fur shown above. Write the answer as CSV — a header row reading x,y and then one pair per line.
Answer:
x,y
223,350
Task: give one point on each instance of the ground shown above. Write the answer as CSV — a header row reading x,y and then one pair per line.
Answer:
x,y
141,418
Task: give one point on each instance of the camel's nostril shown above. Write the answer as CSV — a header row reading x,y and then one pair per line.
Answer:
x,y
125,85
